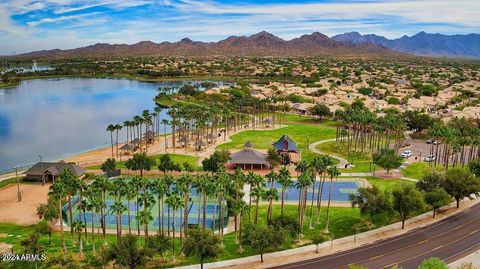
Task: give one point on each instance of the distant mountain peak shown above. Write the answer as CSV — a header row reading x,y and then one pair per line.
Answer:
x,y
265,35
186,40
422,43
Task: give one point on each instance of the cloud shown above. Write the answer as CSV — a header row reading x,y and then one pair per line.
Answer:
x,y
33,24
61,18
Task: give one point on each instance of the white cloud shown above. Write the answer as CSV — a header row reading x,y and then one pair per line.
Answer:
x,y
212,20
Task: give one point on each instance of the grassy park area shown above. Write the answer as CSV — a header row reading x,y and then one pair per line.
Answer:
x,y
176,158
420,169
361,162
303,135
341,225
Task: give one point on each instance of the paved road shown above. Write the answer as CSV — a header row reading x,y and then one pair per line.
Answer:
x,y
450,239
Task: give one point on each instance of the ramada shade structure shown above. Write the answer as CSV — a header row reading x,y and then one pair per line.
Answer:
x,y
248,158
51,170
285,144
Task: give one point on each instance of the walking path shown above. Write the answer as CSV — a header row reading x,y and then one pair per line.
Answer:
x,y
473,259
313,147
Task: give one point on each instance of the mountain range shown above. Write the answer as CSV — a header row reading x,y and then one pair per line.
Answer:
x,y
463,46
266,44
260,44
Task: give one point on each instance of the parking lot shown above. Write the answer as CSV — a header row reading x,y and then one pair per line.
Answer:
x,y
419,149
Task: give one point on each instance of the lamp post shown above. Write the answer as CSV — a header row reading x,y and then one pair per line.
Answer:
x,y
43,175
19,193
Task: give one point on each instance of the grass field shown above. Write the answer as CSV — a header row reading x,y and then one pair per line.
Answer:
x,y
362,162
420,169
342,220
388,184
301,134
176,158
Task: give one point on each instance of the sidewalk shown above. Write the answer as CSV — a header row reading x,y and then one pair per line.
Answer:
x,y
337,245
473,258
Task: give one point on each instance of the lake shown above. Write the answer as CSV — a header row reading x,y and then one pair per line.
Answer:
x,y
56,118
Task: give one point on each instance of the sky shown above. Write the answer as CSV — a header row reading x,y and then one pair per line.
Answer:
x,y
30,25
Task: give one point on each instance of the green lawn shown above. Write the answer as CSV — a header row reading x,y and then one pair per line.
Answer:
x,y
301,134
341,225
388,184
176,158
362,162
419,169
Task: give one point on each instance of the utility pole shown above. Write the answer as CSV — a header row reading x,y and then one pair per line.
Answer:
x,y
19,193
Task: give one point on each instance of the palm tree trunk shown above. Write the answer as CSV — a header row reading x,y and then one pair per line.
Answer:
x,y
327,222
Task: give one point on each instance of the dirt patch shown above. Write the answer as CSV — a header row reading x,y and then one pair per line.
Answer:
x,y
24,212
392,175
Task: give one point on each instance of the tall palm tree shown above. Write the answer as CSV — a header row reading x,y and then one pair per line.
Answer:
x,y
72,186
184,184
321,168
111,129
270,195
160,188
103,184
333,172
79,226
130,194
165,122
285,180
158,111
175,202
117,128
146,200
94,203
118,208
136,183
258,192
304,180
57,190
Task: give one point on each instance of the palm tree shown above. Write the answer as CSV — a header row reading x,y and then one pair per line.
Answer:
x,y
303,182
333,172
111,129
57,190
146,200
136,182
285,180
158,111
93,204
184,184
118,208
72,186
253,180
270,195
326,161
130,194
175,202
160,188
165,122
79,227
258,192
117,127
103,184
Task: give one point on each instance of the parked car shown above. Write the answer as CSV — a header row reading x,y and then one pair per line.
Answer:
x,y
437,142
430,158
406,153
429,141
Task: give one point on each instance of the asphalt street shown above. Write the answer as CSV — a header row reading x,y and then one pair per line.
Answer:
x,y
449,239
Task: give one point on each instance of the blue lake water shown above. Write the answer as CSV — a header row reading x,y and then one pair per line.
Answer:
x,y
60,117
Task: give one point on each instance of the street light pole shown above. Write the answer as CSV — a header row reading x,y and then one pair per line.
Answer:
x,y
43,175
19,193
